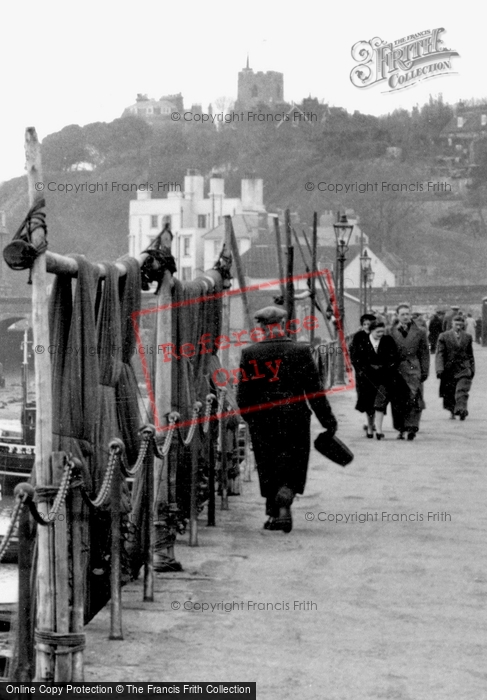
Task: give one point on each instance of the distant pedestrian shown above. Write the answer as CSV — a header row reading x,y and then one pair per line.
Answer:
x,y
478,330
414,359
375,362
435,328
455,367
447,321
470,325
356,349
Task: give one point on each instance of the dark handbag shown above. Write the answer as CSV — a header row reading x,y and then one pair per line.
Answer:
x,y
333,448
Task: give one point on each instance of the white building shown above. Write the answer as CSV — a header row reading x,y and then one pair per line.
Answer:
x,y
191,215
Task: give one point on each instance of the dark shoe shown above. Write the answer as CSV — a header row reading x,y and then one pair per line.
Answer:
x,y
400,436
165,564
370,435
270,524
379,436
285,521
411,435
463,414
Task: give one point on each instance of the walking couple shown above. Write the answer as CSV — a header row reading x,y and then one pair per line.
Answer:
x,y
390,367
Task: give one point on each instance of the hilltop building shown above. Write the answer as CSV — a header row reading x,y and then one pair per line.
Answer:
x,y
461,134
259,89
155,110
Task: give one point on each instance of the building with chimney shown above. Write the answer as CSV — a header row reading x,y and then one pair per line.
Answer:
x,y
191,216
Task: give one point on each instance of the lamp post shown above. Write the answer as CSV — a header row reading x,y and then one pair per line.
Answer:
x,y
371,275
343,231
365,263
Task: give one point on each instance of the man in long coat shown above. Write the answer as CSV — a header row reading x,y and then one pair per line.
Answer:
x,y
435,328
276,379
414,361
455,367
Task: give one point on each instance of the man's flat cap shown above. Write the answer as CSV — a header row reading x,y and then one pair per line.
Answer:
x,y
270,314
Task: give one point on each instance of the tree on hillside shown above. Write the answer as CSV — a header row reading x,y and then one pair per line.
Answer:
x,y
64,149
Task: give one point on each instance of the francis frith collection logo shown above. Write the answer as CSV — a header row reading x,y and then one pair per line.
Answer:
x,y
401,63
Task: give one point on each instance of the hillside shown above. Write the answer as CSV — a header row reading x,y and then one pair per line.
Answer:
x,y
444,236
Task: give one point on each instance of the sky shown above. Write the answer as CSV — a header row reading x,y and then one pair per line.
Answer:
x,y
77,63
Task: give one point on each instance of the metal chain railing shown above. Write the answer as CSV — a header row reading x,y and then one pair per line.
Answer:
x,y
116,448
11,528
209,403
196,409
148,432
163,451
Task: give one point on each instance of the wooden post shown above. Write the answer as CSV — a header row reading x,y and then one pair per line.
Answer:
x,y
63,667
224,465
115,559
240,276
313,270
322,285
149,532
280,263
165,376
40,326
193,516
25,664
289,298
211,479
225,353
75,505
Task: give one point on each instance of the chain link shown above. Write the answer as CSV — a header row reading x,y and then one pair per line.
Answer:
x,y
196,409
164,450
148,432
116,448
209,402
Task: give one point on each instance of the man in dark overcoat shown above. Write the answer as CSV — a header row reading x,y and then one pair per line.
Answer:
x,y
435,328
448,319
277,379
455,367
414,360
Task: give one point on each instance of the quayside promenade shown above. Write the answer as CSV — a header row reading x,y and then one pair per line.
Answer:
x,y
393,607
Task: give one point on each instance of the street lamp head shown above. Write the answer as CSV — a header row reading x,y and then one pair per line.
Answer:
x,y
343,231
365,261
371,275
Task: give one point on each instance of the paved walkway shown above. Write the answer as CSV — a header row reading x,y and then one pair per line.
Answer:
x,y
371,610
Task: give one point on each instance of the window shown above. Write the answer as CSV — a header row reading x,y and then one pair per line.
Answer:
x,y
460,122
153,221
483,120
201,220
255,91
186,246
186,274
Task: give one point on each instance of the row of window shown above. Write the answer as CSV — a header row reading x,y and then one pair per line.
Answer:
x,y
203,221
